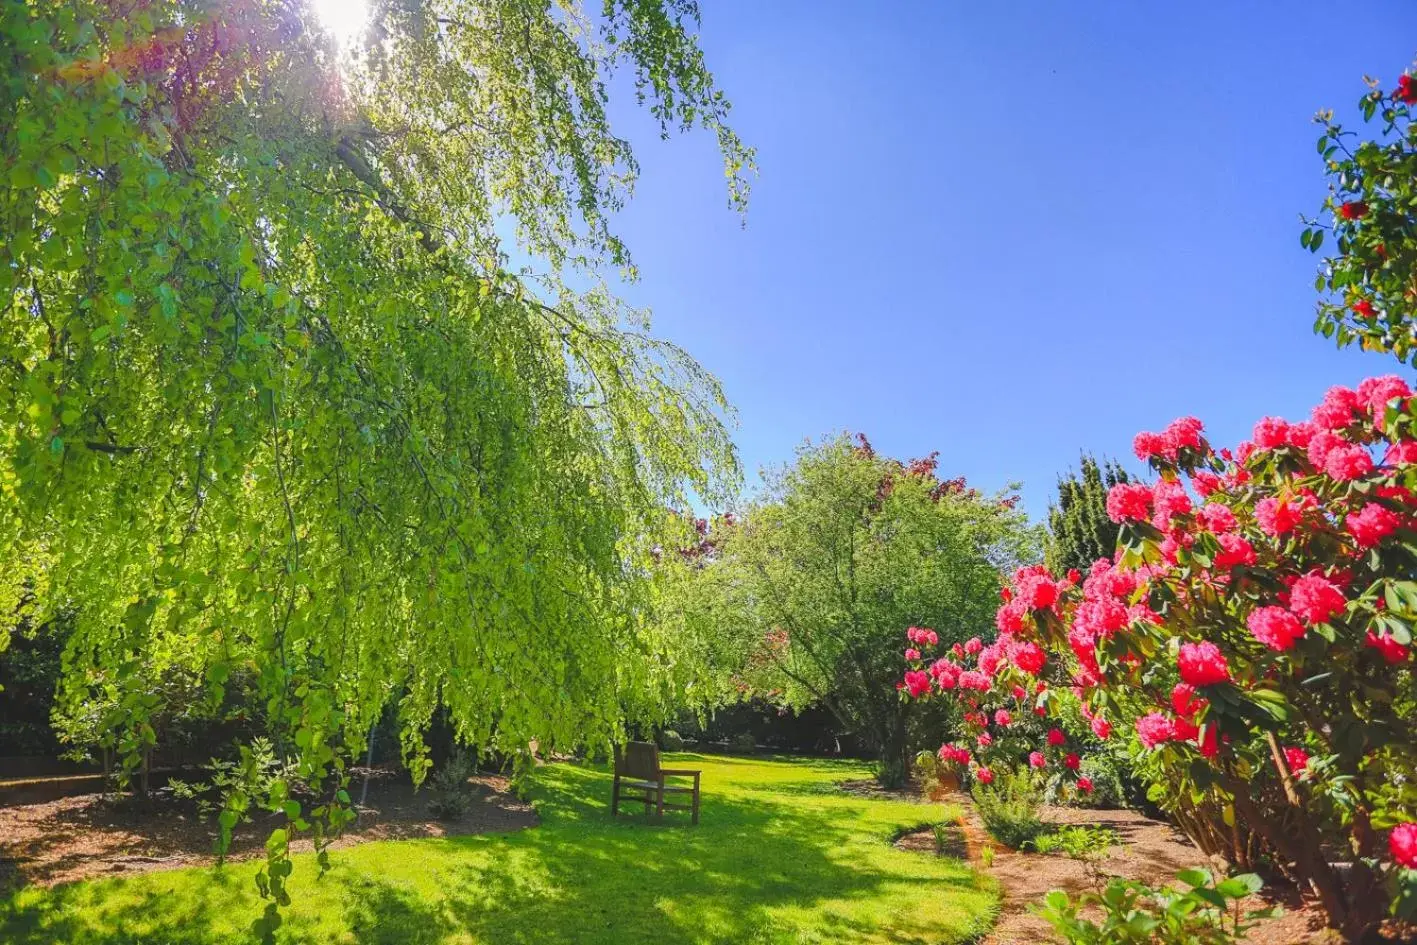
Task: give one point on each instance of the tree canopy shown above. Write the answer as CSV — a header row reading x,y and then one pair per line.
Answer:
x,y
807,594
274,404
1079,531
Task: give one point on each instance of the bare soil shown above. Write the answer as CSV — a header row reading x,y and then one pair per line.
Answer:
x,y
1150,851
90,835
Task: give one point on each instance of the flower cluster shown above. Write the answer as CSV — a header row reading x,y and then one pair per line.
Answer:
x,y
997,685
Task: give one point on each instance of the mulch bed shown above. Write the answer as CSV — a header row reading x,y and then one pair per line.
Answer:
x,y
90,835
1151,851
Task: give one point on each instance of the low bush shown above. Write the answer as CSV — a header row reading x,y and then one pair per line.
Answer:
x,y
1078,842
452,794
670,740
743,742
1010,809
1133,913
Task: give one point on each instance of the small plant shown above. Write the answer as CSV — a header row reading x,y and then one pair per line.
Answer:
x,y
1010,809
1208,913
670,740
1079,843
986,855
451,795
743,742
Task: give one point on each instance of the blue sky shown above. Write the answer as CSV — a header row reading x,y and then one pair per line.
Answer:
x,y
1008,231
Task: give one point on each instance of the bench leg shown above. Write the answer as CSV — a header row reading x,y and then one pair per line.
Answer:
x,y
659,801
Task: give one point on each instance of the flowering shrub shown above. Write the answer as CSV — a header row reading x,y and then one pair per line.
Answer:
x,y
1369,285
1253,633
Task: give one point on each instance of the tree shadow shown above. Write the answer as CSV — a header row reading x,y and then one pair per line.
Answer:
x,y
757,860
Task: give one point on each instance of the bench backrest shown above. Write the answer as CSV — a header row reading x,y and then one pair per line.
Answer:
x,y
638,760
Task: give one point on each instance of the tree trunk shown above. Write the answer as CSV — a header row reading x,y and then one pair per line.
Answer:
x,y
895,765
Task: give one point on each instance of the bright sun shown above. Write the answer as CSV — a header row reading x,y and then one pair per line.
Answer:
x,y
343,18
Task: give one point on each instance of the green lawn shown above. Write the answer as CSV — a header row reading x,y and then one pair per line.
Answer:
x,y
779,856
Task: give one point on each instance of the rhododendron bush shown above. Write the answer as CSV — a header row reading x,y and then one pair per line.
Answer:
x,y
1251,639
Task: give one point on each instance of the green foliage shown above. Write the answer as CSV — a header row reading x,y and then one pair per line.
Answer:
x,y
670,740
1078,842
1010,808
770,831
1079,530
1208,913
806,594
273,408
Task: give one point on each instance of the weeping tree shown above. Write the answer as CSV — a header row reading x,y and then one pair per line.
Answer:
x,y
807,595
273,405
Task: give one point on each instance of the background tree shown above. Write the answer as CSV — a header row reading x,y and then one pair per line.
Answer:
x,y
809,591
273,408
1079,531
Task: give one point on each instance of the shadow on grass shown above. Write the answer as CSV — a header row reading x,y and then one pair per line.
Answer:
x,y
755,870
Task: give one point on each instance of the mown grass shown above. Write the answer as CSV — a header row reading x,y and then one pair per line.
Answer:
x,y
780,856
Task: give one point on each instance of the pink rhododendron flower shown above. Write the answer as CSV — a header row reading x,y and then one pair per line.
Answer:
x,y
1030,658
1338,409
1202,664
1185,702
1020,693
970,679
1296,758
1205,482
1128,502
1401,453
1275,627
1376,393
1002,718
1277,517
1036,587
955,754
1101,728
1154,729
1316,599
1169,498
1036,759
1085,785
1183,433
912,654
1403,844
1234,551
1218,518
917,682
973,645
1072,761
1391,650
1348,462
984,776
1056,737
1147,445
989,660
985,739
1271,433
1371,524
1009,618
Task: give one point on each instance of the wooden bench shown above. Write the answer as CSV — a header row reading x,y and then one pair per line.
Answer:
x,y
637,770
